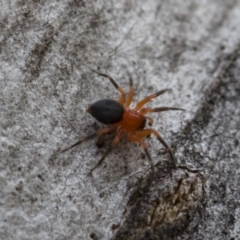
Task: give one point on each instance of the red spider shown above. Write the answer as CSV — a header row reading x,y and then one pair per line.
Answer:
x,y
124,120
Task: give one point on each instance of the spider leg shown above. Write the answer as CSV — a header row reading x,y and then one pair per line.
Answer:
x,y
145,132
123,94
97,133
113,144
131,92
144,111
134,138
141,103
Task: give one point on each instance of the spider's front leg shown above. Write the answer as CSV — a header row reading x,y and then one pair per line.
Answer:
x,y
147,99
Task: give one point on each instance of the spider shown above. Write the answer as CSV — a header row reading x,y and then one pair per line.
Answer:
x,y
125,120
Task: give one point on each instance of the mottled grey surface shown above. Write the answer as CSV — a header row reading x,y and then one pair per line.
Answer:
x,y
47,51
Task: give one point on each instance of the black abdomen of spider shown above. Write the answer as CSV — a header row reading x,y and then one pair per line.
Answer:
x,y
124,120
106,111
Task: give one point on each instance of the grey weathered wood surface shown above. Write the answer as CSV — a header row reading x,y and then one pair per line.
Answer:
x,y
47,51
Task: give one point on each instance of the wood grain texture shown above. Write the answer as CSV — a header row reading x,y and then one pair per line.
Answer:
x,y
47,51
